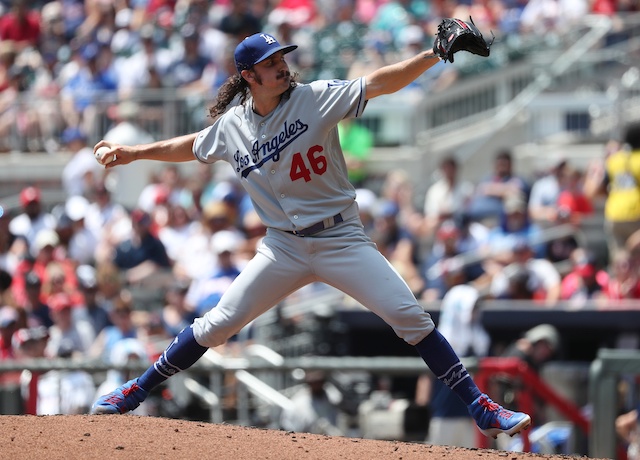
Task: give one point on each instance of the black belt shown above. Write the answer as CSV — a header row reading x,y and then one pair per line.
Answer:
x,y
318,227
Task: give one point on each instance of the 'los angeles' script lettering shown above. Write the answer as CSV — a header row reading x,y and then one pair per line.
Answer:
x,y
270,150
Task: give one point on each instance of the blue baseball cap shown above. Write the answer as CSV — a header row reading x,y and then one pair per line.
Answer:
x,y
256,48
72,134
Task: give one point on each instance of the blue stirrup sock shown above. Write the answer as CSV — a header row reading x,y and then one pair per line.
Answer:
x,y
436,351
181,354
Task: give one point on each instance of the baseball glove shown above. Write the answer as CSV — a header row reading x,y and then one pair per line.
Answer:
x,y
455,35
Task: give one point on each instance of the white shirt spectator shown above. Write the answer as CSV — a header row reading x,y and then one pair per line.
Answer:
x,y
23,225
441,199
543,274
74,174
458,324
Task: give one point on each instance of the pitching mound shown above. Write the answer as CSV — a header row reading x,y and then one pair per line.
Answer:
x,y
124,437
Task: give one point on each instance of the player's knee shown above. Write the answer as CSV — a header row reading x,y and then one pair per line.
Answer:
x,y
213,329
414,327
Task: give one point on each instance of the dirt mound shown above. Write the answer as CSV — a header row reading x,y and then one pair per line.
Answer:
x,y
128,436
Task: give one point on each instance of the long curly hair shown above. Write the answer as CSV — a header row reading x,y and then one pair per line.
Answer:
x,y
235,85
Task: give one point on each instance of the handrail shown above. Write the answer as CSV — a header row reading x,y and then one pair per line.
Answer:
x,y
260,389
533,385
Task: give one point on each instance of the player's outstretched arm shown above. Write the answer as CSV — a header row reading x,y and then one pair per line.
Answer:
x,y
174,150
394,77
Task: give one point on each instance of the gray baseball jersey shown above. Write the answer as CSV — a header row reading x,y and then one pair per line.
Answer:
x,y
291,164
290,161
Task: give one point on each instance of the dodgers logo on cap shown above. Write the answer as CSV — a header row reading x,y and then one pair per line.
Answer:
x,y
256,48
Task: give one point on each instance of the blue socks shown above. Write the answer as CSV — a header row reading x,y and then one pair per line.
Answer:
x,y
181,354
436,351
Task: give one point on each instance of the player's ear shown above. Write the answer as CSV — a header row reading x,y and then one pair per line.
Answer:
x,y
248,75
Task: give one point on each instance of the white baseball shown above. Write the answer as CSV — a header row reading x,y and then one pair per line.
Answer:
x,y
101,155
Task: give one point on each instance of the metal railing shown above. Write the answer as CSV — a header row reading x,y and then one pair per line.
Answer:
x,y
604,372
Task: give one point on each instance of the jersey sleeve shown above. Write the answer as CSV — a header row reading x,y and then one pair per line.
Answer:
x,y
338,99
210,145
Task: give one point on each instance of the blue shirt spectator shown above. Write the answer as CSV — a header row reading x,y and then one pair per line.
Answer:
x,y
142,247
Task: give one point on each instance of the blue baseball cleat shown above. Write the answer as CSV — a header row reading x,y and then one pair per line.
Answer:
x,y
493,419
123,399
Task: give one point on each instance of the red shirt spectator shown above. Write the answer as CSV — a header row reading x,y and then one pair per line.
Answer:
x,y
47,246
624,282
21,25
585,281
8,325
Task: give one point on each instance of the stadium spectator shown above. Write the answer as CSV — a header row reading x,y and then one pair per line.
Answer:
x,y
186,70
82,172
5,288
82,242
624,282
125,37
69,336
545,191
460,322
560,248
10,249
528,273
397,188
107,220
93,308
449,195
48,252
66,392
146,61
8,325
175,234
19,118
542,16
239,21
397,243
572,198
93,81
205,293
198,261
620,181
125,123
315,408
36,310
392,18
585,281
60,278
21,25
33,218
53,33
110,284
176,314
514,225
491,192
8,54
537,347
143,254
165,187
443,267
121,327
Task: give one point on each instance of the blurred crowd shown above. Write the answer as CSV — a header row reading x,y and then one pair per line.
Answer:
x,y
89,277
61,60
